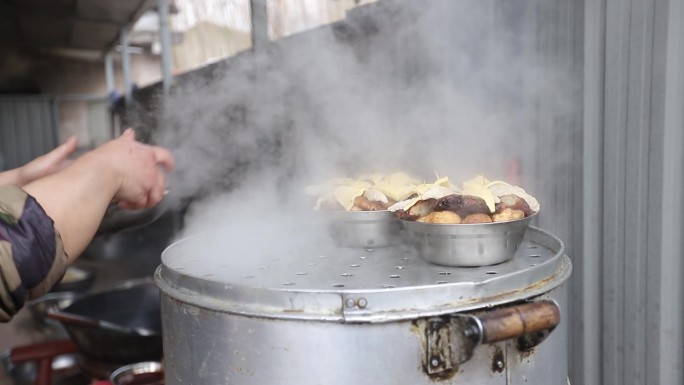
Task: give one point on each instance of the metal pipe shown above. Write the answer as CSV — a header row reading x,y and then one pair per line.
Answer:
x,y
54,121
165,39
126,67
259,24
671,333
109,72
594,64
81,98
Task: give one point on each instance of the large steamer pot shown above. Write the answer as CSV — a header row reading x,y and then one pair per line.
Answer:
x,y
238,313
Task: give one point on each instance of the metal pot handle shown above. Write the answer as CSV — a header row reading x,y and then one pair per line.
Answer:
x,y
451,340
517,321
72,319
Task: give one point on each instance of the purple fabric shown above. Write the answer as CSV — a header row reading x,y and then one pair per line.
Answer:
x,y
33,243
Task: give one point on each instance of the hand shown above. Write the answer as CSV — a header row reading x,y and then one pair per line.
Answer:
x,y
47,164
138,169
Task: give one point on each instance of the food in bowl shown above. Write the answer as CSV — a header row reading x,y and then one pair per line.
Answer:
x,y
357,208
478,201
482,223
371,192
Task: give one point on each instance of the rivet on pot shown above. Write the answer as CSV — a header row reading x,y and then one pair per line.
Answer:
x,y
350,302
434,362
362,303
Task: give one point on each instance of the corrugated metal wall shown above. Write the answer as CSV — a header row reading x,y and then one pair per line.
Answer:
x,y
612,185
27,129
554,170
631,265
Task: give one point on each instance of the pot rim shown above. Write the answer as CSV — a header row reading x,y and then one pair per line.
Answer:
x,y
469,288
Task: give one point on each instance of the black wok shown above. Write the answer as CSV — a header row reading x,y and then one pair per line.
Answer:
x,y
119,326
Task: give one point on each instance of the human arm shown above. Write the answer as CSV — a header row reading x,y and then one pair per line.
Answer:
x,y
58,215
122,170
42,166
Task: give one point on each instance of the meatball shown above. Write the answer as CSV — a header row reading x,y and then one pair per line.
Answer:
x,y
444,217
508,214
477,218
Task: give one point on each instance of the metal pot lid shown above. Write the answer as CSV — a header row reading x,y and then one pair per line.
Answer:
x,y
295,271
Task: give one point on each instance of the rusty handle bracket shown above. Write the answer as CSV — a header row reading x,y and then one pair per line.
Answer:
x,y
451,340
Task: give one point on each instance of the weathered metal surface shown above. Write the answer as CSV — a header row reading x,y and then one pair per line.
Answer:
x,y
586,359
204,346
317,280
27,129
256,320
450,341
631,265
664,307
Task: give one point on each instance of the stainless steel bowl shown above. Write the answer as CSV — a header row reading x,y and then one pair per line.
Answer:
x,y
364,229
467,245
142,373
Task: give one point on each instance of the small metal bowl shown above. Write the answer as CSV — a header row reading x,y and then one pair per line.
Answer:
x,y
467,245
142,373
364,229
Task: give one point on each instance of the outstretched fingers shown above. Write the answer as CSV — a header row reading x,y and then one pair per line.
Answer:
x,y
62,152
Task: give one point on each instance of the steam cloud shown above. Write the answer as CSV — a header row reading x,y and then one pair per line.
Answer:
x,y
417,86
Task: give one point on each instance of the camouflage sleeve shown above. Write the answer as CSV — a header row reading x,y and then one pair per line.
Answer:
x,y
32,258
